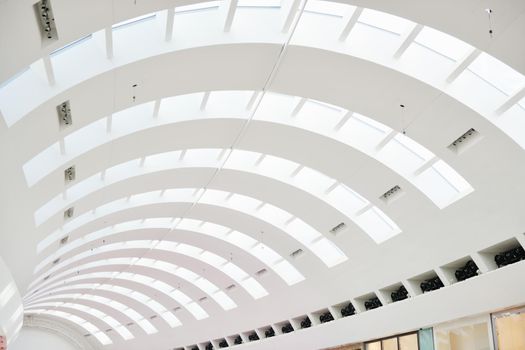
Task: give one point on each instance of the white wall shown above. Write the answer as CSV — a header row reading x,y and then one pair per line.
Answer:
x,y
33,338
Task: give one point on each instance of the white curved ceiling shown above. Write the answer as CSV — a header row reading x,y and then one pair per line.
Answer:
x,y
218,145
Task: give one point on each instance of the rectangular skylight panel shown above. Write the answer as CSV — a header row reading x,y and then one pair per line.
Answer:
x,y
243,203
206,285
254,288
188,250
101,337
42,164
343,197
301,231
228,103
436,187
122,170
241,240
214,229
133,21
273,214
212,259
377,226
239,159
233,271
259,3
197,311
202,156
312,180
167,245
186,274
124,332
90,327
385,21
198,6
288,272
132,119
363,133
453,177
443,43
414,147
275,106
180,297
164,160
276,167
318,116
328,8
147,326
328,252
164,287
165,266
171,319
265,254
497,74
396,156
213,197
512,122
224,301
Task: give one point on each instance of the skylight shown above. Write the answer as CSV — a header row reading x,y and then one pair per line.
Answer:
x,y
443,43
134,20
385,21
497,74
327,7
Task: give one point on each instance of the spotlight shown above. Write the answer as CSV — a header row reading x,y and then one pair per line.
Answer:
x,y
223,344
209,346
253,337
510,256
400,294
306,323
326,317
431,284
269,333
373,303
237,340
469,270
348,310
287,328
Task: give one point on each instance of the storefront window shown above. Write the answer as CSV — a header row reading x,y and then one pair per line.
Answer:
x,y
509,330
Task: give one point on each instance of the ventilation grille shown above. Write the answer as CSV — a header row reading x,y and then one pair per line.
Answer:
x,y
297,253
68,214
230,287
64,115
261,272
46,21
392,194
70,174
56,261
465,141
338,228
65,239
203,299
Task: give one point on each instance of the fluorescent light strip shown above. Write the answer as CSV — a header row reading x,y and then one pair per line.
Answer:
x,y
80,322
102,317
294,227
173,247
261,251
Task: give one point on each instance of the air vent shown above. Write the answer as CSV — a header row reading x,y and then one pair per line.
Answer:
x,y
64,239
253,337
68,214
237,340
261,272
46,20
64,115
392,194
130,324
230,287
465,141
297,253
223,344
177,308
56,261
108,330
338,228
47,277
70,174
152,317
203,299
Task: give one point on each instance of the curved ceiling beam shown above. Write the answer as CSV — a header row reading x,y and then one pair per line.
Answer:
x,y
174,294
399,152
108,294
293,226
476,33
245,242
464,74
83,310
254,288
88,327
112,264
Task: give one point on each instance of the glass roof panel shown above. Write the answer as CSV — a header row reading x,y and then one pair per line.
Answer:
x,y
234,271
498,74
266,254
331,8
385,21
224,300
328,252
254,288
197,311
443,43
288,272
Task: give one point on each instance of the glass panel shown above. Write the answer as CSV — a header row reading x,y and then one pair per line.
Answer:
x,y
374,346
426,339
510,331
408,342
390,344
472,336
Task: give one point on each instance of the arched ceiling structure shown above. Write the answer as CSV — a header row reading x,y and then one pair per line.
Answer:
x,y
227,165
